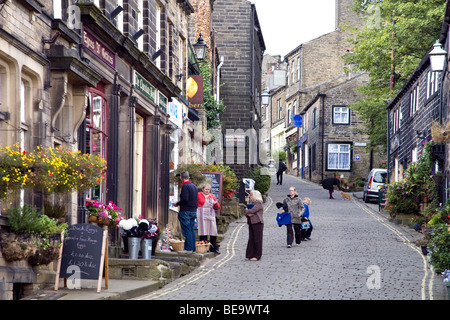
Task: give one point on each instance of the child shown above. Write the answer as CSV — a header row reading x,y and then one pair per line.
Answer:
x,y
306,233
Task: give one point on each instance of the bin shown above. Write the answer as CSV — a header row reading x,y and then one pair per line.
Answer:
x,y
146,249
133,247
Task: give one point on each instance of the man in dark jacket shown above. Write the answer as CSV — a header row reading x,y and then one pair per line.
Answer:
x,y
188,210
281,168
329,184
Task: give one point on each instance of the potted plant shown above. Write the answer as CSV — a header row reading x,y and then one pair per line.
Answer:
x,y
423,244
104,214
446,275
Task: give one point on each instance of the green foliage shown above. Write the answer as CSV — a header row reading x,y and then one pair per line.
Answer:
x,y
29,221
404,197
55,211
212,107
262,182
279,155
440,247
230,182
409,28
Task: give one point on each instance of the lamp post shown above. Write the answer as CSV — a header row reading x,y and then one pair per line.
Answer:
x,y
200,48
437,57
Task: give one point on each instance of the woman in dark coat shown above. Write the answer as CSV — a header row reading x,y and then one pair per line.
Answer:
x,y
255,227
329,184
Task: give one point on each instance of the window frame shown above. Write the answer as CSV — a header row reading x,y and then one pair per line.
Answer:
x,y
350,155
333,115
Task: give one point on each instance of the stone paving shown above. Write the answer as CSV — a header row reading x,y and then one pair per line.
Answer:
x,y
354,254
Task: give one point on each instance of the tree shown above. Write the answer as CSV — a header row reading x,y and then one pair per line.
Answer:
x,y
396,36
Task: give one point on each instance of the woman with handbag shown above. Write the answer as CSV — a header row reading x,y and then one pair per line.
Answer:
x,y
255,227
295,207
206,217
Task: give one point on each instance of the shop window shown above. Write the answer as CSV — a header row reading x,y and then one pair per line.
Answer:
x,y
96,135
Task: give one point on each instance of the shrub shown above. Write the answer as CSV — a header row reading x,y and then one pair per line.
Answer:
x,y
440,247
262,182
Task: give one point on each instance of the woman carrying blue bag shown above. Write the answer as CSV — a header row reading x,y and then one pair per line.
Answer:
x,y
295,207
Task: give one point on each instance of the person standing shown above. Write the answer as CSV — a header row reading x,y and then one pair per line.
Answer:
x,y
329,184
255,227
188,210
296,208
206,217
306,233
281,168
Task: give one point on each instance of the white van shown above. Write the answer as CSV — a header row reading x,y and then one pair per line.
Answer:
x,y
377,179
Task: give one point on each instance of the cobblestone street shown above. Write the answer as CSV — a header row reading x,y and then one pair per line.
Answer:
x,y
354,254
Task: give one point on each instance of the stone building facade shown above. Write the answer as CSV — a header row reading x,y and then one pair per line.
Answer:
x,y
239,39
319,90
87,76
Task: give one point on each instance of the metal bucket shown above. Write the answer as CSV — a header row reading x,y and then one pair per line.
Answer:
x,y
146,248
133,247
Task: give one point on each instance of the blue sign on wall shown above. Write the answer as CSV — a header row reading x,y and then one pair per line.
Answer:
x,y
298,120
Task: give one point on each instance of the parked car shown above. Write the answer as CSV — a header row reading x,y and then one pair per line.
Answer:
x,y
376,179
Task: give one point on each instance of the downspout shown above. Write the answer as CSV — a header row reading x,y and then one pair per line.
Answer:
x,y
218,81
299,92
387,146
323,134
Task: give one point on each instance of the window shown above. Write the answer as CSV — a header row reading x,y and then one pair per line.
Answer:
x,y
140,21
158,34
339,156
397,119
414,104
119,19
314,119
414,155
289,115
280,109
432,83
96,135
341,115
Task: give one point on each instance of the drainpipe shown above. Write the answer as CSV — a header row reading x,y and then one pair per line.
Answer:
x,y
222,58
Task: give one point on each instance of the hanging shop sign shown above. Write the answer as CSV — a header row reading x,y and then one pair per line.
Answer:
x,y
195,91
99,49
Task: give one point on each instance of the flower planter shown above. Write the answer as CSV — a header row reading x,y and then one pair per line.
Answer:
x,y
146,248
17,247
133,247
92,219
424,250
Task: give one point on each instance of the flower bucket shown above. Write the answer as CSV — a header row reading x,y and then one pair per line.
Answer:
x,y
146,248
133,247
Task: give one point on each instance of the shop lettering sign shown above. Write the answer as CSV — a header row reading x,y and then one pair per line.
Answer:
x,y
144,87
99,49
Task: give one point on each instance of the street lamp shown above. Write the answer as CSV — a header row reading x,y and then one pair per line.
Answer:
x,y
265,97
437,57
200,48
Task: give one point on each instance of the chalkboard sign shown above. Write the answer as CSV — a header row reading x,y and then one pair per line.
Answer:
x,y
83,252
216,185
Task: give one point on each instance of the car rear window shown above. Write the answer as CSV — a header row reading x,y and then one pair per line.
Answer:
x,y
380,177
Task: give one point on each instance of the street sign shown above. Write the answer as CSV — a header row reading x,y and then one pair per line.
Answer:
x,y
298,120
